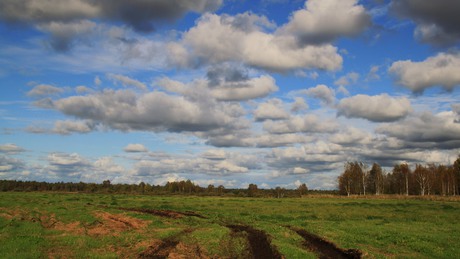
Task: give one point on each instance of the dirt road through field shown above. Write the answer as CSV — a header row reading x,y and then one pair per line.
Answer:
x,y
259,242
325,249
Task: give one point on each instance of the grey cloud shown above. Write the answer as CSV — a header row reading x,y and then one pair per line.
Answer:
x,y
74,21
64,35
135,148
40,11
225,137
425,130
456,110
271,110
216,39
34,129
437,20
248,22
247,138
388,157
68,127
317,157
138,14
214,154
280,140
351,137
68,166
81,89
208,163
10,148
64,127
299,104
127,81
105,166
440,70
321,92
378,108
228,140
373,73
220,74
44,90
154,111
350,78
64,159
238,90
9,166
296,124
245,90
323,21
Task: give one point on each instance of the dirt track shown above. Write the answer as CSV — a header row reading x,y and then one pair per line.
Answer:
x,y
165,213
172,247
324,248
258,242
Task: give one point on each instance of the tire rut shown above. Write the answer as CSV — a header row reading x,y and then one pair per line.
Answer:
x,y
165,213
259,242
163,248
324,248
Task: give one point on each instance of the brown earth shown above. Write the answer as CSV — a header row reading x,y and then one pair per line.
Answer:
x,y
113,224
165,213
171,247
259,242
107,223
324,248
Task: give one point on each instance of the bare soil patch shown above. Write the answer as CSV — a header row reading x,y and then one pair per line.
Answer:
x,y
47,221
259,242
159,249
113,224
325,248
106,224
172,247
165,213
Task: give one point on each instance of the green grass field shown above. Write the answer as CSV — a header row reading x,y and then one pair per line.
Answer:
x,y
53,225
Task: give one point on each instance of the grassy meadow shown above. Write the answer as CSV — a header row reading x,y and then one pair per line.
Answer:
x,y
67,225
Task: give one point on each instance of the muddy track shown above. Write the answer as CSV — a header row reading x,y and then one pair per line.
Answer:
x,y
163,248
259,242
165,213
324,248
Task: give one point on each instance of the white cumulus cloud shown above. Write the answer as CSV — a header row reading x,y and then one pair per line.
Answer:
x,y
440,70
135,148
378,108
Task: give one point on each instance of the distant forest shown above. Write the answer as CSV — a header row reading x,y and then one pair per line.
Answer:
x,y
180,188
428,179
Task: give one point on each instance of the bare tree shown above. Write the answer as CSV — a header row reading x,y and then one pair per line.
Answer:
x,y
302,189
375,180
353,179
364,175
252,190
456,175
220,190
422,178
405,170
279,192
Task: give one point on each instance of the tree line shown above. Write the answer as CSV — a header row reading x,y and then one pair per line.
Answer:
x,y
178,187
429,179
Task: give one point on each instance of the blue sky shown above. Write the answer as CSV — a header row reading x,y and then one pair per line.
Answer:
x,y
270,92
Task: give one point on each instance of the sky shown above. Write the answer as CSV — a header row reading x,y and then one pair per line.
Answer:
x,y
270,92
